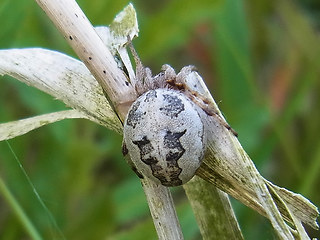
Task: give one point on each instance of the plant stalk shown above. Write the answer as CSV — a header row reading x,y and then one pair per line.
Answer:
x,y
80,34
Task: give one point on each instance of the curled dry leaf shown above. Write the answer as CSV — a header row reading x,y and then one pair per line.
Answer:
x,y
63,77
229,168
16,128
68,79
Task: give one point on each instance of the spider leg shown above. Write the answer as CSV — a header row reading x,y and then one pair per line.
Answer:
x,y
225,124
184,72
169,72
205,105
143,80
221,121
166,75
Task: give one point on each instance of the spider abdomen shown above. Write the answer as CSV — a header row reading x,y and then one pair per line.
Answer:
x,y
164,136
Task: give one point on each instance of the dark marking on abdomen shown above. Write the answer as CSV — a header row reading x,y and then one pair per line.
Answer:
x,y
173,107
168,176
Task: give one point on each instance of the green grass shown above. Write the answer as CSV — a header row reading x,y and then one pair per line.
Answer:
x,y
261,62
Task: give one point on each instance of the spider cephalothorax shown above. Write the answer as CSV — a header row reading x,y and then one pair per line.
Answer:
x,y
168,78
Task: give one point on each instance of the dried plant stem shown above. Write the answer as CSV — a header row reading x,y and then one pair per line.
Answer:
x,y
78,31
160,204
213,211
80,34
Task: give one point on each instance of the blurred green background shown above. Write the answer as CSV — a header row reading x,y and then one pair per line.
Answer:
x,y
261,61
